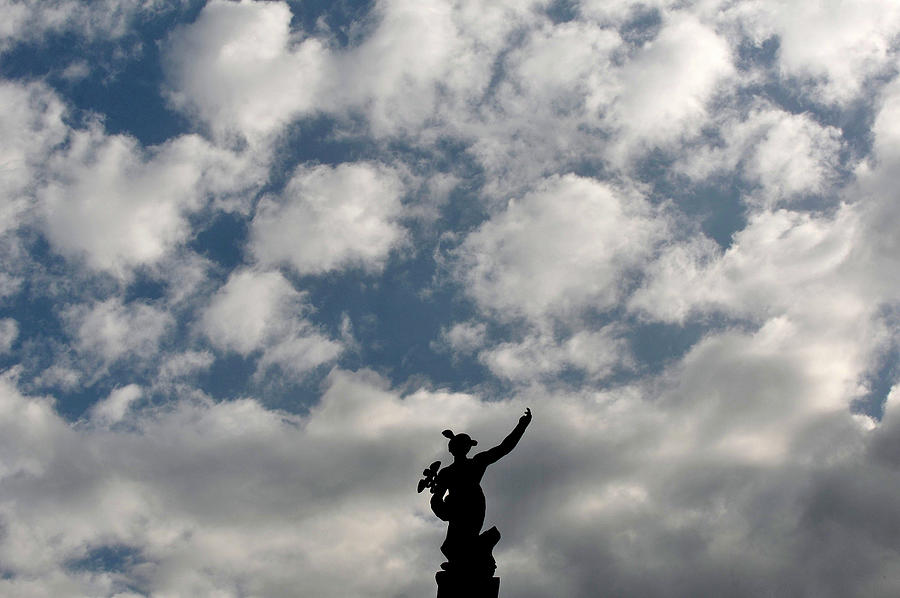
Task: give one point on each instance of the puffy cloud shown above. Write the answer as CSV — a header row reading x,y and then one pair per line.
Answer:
x,y
241,315
240,70
112,329
739,469
757,395
565,247
796,156
59,376
829,268
184,364
540,356
464,336
782,261
261,311
105,198
9,285
31,20
836,46
114,407
9,330
116,209
425,69
885,127
666,85
31,126
293,516
788,155
561,68
536,120
330,217
218,496
120,206
425,61
876,246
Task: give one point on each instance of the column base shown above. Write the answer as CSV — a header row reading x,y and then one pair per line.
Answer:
x,y
458,586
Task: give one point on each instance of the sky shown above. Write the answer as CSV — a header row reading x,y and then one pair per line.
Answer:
x,y
255,257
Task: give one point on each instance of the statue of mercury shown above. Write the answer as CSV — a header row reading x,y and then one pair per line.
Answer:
x,y
457,498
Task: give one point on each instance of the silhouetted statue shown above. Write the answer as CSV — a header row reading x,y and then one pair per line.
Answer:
x,y
458,499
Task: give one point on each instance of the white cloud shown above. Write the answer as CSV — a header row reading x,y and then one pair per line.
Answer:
x,y
780,262
787,155
219,496
15,15
464,337
740,463
667,84
298,354
245,312
601,101
796,156
836,45
755,395
240,70
885,127
9,330
105,198
9,285
114,407
261,311
567,246
427,69
330,217
31,20
537,119
291,519
59,376
112,329
423,60
562,68
541,357
120,206
877,247
113,207
181,366
31,126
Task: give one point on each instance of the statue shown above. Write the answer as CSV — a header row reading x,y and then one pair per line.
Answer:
x,y
457,498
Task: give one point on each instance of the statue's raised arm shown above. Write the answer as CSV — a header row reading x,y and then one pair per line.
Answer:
x,y
493,455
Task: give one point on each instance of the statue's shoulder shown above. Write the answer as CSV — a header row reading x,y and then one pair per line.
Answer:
x,y
449,472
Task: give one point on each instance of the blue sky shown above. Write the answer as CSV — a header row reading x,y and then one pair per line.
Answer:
x,y
257,255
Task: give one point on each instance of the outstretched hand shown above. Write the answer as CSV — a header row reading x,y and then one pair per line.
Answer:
x,y
526,419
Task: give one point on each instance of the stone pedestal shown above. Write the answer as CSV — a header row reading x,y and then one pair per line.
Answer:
x,y
452,585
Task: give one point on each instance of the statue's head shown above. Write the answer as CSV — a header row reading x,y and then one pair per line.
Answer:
x,y
459,443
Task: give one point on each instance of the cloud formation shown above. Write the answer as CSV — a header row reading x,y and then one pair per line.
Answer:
x,y
260,311
329,218
590,235
669,228
239,70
